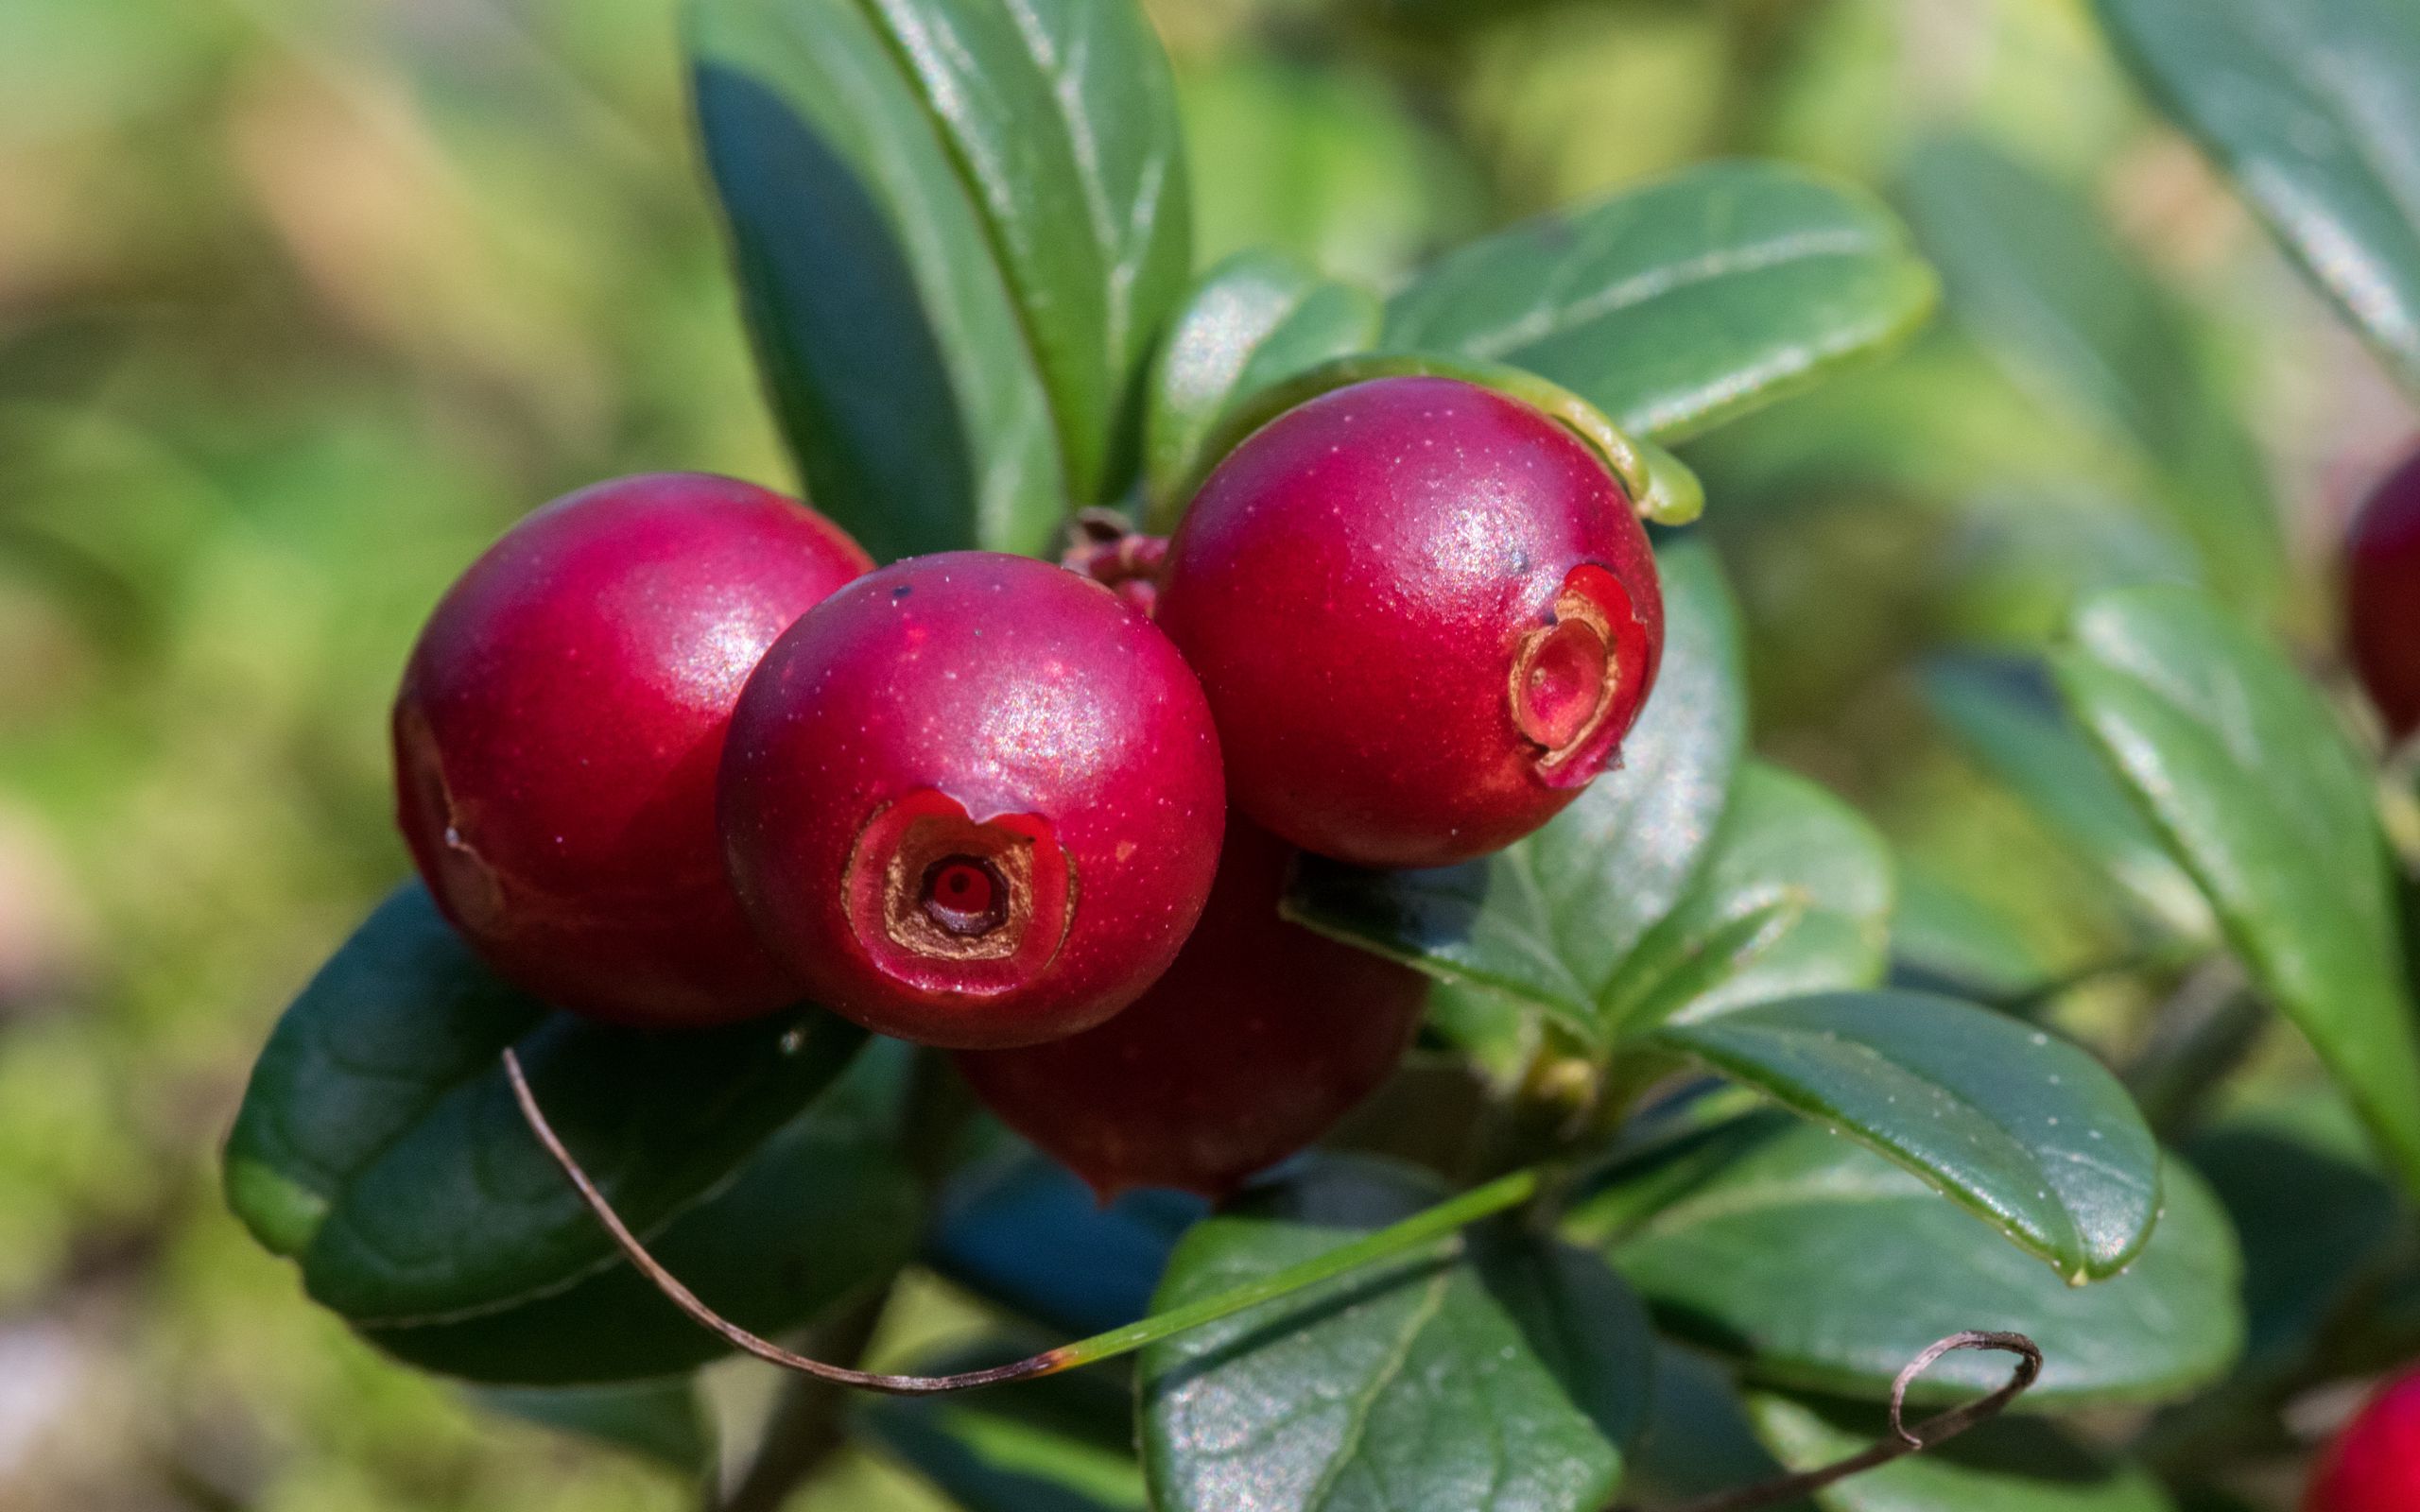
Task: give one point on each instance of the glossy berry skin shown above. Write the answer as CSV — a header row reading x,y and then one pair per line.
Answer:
x,y
1424,615
974,800
2374,1464
560,726
2382,597
1258,1038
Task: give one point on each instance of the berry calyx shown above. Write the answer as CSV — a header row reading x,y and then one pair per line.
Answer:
x,y
2382,597
974,800
558,728
1259,1037
1424,615
2373,1465
1115,556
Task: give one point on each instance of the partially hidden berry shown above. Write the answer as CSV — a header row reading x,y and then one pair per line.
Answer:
x,y
1424,615
2373,1465
559,729
2382,597
1258,1038
974,800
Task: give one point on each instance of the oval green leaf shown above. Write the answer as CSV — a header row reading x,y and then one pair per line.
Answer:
x,y
1491,1369
1255,319
1061,116
2242,768
1795,898
822,1212
2315,1225
958,225
2025,1131
1676,306
2309,106
2009,719
1820,1266
379,1145
2039,280
1549,922
1944,938
1022,1230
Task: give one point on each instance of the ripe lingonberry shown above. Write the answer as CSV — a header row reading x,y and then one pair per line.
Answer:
x,y
1259,1037
2374,1464
974,800
2382,597
561,724
1424,615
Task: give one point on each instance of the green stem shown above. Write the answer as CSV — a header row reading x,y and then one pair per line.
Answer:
x,y
1422,1228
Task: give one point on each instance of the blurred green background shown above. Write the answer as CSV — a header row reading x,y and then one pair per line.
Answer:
x,y
301,301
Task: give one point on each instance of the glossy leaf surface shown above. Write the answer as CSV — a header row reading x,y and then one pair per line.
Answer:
x,y
1494,1369
2025,1131
1675,306
2243,770
379,1145
1255,319
1820,1266
958,225
2307,105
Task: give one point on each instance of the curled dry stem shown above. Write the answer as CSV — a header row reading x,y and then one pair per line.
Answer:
x,y
1423,1228
1903,1440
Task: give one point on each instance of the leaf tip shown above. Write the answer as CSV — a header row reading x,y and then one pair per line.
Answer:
x,y
282,1213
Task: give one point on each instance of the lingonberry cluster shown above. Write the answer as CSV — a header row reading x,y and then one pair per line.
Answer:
x,y
674,753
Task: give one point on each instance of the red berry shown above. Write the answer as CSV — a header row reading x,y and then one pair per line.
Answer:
x,y
974,800
559,730
1259,1037
2382,597
1424,615
2374,1465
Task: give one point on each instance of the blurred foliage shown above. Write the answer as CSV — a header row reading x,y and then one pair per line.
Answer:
x,y
300,300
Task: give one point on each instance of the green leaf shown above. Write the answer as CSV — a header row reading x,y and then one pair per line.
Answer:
x,y
1676,306
1821,1266
2309,106
662,1422
1493,1033
2313,1223
2251,783
1699,1441
1255,319
823,1210
1062,117
379,1145
1059,1444
1021,1229
2011,721
2012,1465
1550,920
2041,283
1795,897
959,226
1944,938
1494,1369
2027,1131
